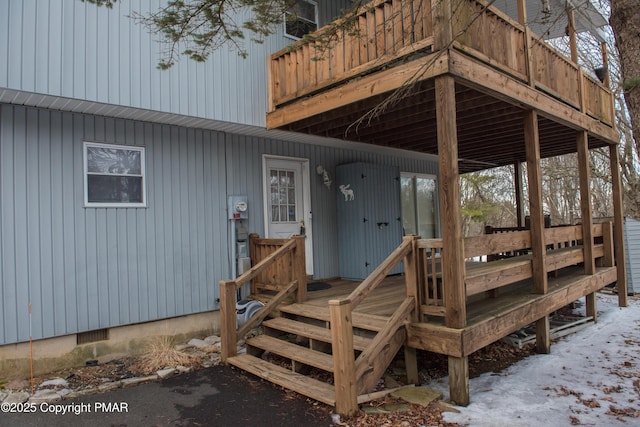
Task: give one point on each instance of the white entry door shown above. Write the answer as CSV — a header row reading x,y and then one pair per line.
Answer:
x,y
288,201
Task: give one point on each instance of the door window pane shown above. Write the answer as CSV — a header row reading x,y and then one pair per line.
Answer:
x,y
283,195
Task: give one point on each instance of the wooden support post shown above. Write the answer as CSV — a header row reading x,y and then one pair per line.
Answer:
x,y
543,336
605,64
584,172
607,241
522,19
411,275
253,256
519,185
441,15
228,337
412,283
538,246
453,267
607,82
573,46
300,269
618,225
459,380
344,369
411,365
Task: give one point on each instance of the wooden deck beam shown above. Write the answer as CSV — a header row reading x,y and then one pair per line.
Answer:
x,y
485,79
356,90
490,327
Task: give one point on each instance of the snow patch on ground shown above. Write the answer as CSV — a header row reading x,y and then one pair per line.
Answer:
x,y
591,377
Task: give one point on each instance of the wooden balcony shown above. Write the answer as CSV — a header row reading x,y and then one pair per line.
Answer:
x,y
500,68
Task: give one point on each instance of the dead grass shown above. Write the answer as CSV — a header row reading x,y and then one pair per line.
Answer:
x,y
161,354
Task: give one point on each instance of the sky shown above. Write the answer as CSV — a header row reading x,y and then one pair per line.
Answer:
x,y
591,378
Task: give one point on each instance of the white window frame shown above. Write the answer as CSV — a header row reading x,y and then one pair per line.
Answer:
x,y
141,150
316,22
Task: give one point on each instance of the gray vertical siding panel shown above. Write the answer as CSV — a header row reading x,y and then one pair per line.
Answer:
x,y
4,42
46,132
71,172
20,214
7,231
632,243
28,59
54,39
41,45
14,44
77,50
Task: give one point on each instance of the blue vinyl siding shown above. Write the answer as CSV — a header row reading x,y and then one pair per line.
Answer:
x,y
76,50
89,268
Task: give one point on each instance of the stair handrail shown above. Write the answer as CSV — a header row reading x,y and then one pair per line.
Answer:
x,y
347,382
228,294
378,275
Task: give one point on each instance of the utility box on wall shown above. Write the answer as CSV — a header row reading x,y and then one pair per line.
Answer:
x,y
369,217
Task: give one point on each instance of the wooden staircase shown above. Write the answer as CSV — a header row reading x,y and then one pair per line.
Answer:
x,y
302,338
351,350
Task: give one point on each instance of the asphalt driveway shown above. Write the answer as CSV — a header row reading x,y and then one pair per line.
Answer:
x,y
216,396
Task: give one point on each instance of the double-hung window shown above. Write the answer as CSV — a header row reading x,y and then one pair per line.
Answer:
x,y
114,175
301,19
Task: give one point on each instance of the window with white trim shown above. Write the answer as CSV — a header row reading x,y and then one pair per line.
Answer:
x,y
301,19
114,175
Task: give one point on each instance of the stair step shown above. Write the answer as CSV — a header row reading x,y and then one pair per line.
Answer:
x,y
370,322
292,351
291,380
313,332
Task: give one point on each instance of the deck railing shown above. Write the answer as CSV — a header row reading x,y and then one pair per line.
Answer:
x,y
565,247
388,30
491,36
555,74
282,261
383,31
598,102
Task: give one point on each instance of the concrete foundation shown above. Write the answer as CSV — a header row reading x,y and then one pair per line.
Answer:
x,y
63,352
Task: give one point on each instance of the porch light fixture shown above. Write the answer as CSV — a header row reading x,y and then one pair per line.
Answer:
x,y
321,171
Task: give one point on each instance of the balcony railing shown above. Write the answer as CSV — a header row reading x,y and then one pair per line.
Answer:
x,y
387,31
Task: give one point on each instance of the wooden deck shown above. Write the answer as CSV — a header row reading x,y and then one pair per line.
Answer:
x,y
353,330
489,317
